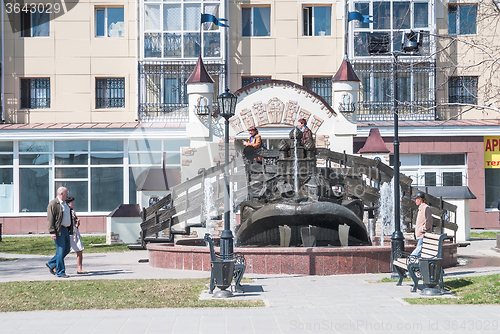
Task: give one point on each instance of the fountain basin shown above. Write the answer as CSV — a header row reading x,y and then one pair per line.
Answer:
x,y
291,260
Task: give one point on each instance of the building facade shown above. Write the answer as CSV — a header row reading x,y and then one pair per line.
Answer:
x,y
94,97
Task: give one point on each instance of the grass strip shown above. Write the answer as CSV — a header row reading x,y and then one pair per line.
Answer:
x,y
468,290
483,235
45,245
389,280
110,294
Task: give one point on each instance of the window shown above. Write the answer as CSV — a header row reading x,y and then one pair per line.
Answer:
x,y
109,22
172,29
175,91
452,178
6,176
432,170
390,18
442,159
462,19
317,21
321,86
248,80
462,90
256,21
35,24
35,93
109,93
421,15
163,95
430,179
492,187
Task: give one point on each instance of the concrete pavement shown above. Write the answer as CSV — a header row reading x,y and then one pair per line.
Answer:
x,y
294,304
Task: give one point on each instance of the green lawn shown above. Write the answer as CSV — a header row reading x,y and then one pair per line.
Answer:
x,y
45,245
468,290
483,235
109,294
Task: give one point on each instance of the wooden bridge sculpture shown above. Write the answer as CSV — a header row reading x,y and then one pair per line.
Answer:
x,y
172,214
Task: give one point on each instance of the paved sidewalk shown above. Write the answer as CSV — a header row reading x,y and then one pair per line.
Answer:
x,y
294,303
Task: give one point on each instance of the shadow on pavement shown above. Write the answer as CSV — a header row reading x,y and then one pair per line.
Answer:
x,y
105,273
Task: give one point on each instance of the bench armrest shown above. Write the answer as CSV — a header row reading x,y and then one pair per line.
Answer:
x,y
412,259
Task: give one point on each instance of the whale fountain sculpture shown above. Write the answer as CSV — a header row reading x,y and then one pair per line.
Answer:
x,y
288,191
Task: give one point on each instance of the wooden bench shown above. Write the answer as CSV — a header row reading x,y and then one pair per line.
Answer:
x,y
432,248
239,265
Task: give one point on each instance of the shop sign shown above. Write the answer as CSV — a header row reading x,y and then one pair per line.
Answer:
x,y
492,152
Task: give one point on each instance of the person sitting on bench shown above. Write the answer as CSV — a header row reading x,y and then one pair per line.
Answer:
x,y
423,223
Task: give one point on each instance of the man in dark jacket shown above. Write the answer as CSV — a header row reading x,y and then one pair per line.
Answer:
x,y
59,225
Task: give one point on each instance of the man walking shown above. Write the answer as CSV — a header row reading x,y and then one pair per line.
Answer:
x,y
59,225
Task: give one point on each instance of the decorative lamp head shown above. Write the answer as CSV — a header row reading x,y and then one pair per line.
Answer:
x,y
227,104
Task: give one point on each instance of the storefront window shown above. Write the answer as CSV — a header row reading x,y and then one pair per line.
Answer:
x,y
144,145
35,146
6,190
71,158
35,159
36,189
6,146
106,188
106,145
145,158
6,159
71,146
78,190
106,158
93,171
72,173
136,176
492,187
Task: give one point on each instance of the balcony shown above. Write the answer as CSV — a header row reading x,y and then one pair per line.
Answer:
x,y
162,89
416,95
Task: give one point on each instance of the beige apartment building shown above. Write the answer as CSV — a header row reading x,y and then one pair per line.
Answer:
x,y
78,67
108,77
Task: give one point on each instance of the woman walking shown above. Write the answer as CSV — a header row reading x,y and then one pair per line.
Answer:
x,y
75,239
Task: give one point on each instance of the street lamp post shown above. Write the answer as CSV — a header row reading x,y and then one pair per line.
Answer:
x,y
378,43
411,43
397,238
227,107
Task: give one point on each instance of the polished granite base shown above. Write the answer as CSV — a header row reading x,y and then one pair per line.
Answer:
x,y
290,260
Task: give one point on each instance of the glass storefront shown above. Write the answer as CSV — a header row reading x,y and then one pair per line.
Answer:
x,y
100,174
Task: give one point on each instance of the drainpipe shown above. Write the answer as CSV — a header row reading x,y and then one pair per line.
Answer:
x,y
141,3
2,83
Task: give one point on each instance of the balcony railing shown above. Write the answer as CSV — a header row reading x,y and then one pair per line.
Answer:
x,y
163,91
416,96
